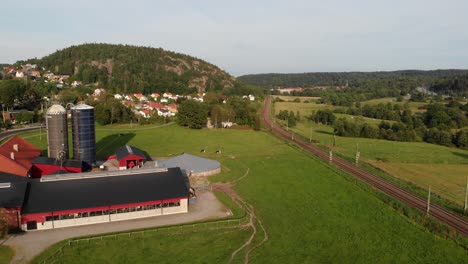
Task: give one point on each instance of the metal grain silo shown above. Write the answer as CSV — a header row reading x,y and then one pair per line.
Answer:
x,y
57,132
83,133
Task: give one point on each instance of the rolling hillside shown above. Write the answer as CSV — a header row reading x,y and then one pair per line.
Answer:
x,y
125,68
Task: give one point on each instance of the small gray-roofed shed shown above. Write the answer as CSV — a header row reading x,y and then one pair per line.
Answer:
x,y
193,165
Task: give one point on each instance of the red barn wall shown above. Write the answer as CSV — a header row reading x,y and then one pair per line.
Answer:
x,y
123,162
39,170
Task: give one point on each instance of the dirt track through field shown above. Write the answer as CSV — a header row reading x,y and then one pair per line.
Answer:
x,y
227,188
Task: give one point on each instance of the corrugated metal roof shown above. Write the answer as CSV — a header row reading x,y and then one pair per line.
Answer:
x,y
56,109
190,163
82,106
58,195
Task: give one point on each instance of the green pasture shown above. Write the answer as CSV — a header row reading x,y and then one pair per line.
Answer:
x,y
301,98
414,106
423,164
311,213
6,254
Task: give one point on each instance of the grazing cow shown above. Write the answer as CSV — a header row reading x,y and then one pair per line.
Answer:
x,y
203,150
218,151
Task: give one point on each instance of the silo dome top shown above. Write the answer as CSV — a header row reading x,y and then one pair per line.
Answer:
x,y
82,106
56,109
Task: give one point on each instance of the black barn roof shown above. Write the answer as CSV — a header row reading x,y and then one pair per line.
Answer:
x,y
12,194
129,150
59,195
56,162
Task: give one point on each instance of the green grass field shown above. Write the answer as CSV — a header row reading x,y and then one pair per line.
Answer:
x,y
311,213
423,164
6,254
414,106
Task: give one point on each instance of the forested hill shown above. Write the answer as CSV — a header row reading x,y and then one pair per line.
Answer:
x,y
391,79
124,68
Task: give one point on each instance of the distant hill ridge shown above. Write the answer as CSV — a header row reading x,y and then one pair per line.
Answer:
x,y
353,79
126,69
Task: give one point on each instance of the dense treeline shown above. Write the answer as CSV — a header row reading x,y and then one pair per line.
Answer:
x,y
435,126
453,86
361,86
126,69
392,79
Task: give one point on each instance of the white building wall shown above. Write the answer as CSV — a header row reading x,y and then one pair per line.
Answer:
x,y
182,208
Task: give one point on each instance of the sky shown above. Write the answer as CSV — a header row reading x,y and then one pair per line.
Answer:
x,y
250,37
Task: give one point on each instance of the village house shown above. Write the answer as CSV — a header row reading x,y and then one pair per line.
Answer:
x,y
98,92
140,97
146,113
155,106
19,74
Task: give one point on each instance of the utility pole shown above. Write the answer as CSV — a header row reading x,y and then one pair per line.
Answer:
x,y
331,156
466,196
310,135
358,154
428,200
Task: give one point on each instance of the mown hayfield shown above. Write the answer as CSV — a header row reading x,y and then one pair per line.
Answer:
x,y
423,164
414,106
311,213
301,98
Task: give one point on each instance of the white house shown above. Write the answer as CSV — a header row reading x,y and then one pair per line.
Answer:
x,y
118,96
19,74
98,92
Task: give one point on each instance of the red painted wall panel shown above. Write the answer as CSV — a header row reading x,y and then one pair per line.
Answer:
x,y
123,162
39,170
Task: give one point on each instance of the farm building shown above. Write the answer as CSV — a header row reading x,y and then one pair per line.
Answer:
x,y
17,155
130,157
11,200
44,166
192,165
88,198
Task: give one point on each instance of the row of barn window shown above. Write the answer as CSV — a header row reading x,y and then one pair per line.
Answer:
x,y
115,211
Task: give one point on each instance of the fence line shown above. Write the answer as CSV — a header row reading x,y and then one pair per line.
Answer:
x,y
185,227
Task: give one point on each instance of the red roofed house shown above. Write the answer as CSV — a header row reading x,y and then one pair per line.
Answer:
x,y
155,95
155,105
17,155
145,113
140,97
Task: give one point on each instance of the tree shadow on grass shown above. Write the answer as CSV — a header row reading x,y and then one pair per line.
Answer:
x,y
109,144
324,132
459,154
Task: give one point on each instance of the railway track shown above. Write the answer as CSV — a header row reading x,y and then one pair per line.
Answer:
x,y
457,222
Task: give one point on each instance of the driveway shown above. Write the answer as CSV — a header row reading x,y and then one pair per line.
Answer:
x,y
29,244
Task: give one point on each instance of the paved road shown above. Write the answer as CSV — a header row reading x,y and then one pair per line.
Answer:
x,y
8,133
29,244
